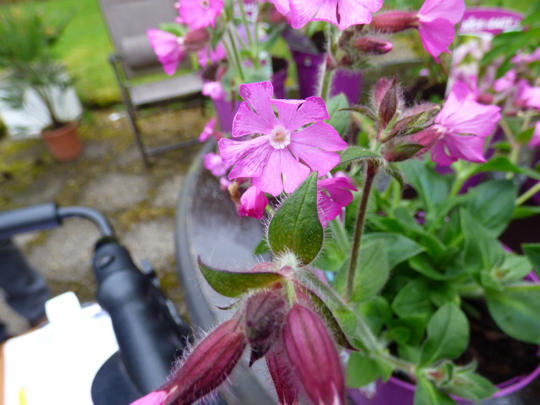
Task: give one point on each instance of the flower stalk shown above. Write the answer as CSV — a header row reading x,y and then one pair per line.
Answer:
x,y
371,171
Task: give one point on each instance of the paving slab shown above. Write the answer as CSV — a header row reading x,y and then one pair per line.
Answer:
x,y
167,192
114,192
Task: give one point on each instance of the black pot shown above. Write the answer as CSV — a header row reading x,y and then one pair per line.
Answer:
x,y
207,225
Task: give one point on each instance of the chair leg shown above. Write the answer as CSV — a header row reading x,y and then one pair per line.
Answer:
x,y
138,138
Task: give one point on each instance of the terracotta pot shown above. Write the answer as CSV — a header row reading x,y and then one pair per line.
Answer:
x,y
64,143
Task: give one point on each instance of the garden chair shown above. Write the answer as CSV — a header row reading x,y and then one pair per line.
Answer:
x,y
128,21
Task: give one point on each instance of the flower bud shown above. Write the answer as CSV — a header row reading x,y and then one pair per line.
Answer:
x,y
394,21
373,45
214,163
254,203
282,376
407,147
196,40
314,357
389,104
210,363
264,316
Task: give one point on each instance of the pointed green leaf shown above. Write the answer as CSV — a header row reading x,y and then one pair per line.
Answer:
x,y
339,119
532,250
361,370
295,226
427,394
355,154
398,247
413,300
469,385
503,164
525,211
371,272
231,284
515,310
430,185
447,335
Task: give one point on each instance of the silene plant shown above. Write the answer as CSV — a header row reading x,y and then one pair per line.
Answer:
x,y
363,283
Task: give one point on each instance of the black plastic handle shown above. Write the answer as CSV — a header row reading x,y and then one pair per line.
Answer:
x,y
148,342
35,218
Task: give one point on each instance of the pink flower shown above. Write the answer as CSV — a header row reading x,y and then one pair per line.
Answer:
x,y
224,183
531,95
343,13
200,13
463,125
435,23
437,19
535,140
254,203
337,196
314,357
285,153
208,130
283,376
168,49
212,56
154,398
466,89
208,365
214,163
214,90
283,7
507,82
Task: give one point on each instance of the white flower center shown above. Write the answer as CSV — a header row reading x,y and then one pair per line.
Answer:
x,y
280,137
205,4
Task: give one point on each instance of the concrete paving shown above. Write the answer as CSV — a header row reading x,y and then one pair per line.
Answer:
x,y
110,177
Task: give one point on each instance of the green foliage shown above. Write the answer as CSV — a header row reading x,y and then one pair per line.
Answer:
x,y
295,226
235,284
339,119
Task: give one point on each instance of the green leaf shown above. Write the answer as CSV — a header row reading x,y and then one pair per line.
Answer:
x,y
430,185
492,204
338,119
515,310
371,272
354,154
525,136
295,226
503,164
262,247
231,284
427,394
376,312
482,250
423,266
443,293
399,248
525,211
447,335
466,384
361,370
514,268
532,251
413,300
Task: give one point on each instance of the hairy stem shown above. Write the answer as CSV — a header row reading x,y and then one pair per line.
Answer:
x,y
528,194
371,171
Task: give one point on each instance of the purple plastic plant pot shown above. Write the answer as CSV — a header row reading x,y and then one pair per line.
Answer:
x,y
398,392
344,81
225,110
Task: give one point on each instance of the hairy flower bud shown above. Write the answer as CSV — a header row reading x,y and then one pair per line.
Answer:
x,y
407,147
314,357
196,40
282,376
373,45
264,316
394,21
210,363
389,104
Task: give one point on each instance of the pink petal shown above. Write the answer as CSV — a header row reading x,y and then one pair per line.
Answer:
x,y
253,163
436,36
259,97
451,10
282,6
246,122
154,398
281,163
232,151
470,148
254,203
303,11
535,140
355,12
294,114
317,159
470,117
439,155
320,135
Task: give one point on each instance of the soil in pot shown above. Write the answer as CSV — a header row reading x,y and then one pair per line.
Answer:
x,y
64,143
500,357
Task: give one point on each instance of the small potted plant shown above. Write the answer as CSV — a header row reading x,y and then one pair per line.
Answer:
x,y
25,53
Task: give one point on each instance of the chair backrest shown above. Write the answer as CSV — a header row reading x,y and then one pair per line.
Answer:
x,y
128,21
